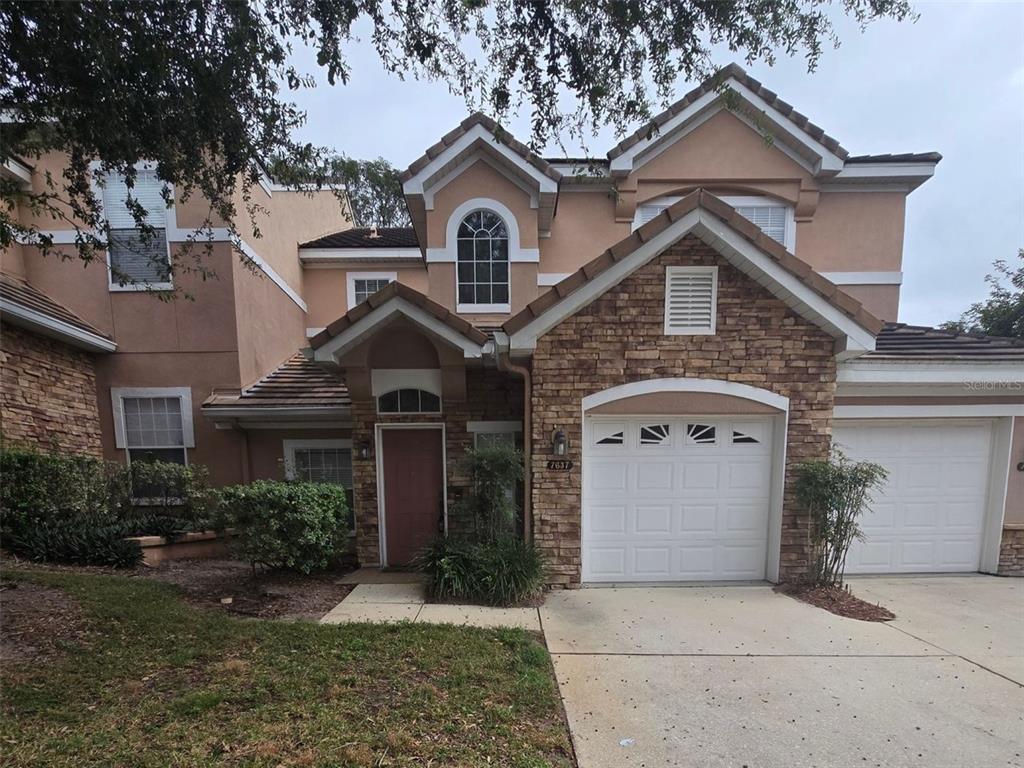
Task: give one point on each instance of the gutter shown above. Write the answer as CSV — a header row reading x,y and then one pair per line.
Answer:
x,y
504,361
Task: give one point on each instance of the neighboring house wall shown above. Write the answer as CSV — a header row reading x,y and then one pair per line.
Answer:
x,y
48,394
620,338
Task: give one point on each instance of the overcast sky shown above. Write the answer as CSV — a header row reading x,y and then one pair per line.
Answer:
x,y
952,82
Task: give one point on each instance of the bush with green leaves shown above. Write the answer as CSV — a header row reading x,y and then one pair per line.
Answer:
x,y
165,491
836,492
505,571
66,508
494,472
293,526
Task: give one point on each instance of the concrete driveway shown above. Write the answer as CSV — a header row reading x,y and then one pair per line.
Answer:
x,y
742,676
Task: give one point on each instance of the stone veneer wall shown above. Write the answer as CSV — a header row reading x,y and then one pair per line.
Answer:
x,y
1011,552
619,338
491,395
47,394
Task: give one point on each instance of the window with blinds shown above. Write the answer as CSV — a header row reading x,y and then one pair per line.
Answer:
x,y
153,429
135,259
691,297
323,465
773,218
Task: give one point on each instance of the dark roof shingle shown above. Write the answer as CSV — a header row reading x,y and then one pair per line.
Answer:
x,y
296,383
367,237
899,340
905,157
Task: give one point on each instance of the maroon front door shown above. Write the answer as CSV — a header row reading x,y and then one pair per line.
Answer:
x,y
413,491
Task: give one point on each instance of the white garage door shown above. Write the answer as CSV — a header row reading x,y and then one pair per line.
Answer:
x,y
675,498
930,516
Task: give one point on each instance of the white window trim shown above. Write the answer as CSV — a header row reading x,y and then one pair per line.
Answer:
x,y
184,394
692,330
351,278
451,250
736,201
112,285
290,446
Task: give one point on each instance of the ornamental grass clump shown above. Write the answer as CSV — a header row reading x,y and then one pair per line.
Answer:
x,y
836,492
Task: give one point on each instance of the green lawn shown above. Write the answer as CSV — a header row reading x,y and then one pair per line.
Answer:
x,y
162,683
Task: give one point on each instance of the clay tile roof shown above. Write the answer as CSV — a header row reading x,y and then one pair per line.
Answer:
x,y
906,157
18,291
478,118
699,198
385,294
362,237
711,84
899,340
298,382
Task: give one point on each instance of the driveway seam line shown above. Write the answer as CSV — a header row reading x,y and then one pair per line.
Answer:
x,y
767,655
957,655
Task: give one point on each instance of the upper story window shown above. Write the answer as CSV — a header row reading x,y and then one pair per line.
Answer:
x,y
137,262
774,217
362,285
482,274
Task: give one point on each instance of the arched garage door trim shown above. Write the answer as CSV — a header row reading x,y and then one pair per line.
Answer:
x,y
716,386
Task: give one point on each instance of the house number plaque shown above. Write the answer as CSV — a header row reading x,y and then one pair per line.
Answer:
x,y
559,465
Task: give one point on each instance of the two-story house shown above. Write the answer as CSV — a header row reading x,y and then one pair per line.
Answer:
x,y
666,332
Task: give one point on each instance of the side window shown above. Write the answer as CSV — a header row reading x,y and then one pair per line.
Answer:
x,y
138,260
153,424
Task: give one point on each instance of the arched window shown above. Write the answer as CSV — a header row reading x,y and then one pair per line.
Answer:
x,y
408,401
483,261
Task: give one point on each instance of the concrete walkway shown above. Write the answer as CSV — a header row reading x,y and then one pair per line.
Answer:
x,y
396,602
731,676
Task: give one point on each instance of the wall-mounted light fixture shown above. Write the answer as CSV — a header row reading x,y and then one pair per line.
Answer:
x,y
364,450
559,443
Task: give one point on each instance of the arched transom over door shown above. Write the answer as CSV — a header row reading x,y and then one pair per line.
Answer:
x,y
676,497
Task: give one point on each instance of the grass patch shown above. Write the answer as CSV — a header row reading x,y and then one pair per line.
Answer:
x,y
165,684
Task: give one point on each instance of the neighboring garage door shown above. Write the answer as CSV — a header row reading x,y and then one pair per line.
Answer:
x,y
930,516
676,498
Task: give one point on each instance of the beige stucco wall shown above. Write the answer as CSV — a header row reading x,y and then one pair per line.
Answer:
x,y
583,227
1015,487
854,231
883,301
481,180
326,289
522,289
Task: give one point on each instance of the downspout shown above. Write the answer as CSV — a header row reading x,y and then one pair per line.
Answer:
x,y
504,361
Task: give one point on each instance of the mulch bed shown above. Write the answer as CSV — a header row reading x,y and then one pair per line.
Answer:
x,y
38,623
837,600
231,585
228,585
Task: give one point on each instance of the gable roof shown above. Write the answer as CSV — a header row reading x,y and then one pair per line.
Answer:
x,y
361,321
492,127
25,305
367,237
706,96
724,229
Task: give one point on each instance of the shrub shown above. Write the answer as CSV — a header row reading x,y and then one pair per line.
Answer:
x,y
76,543
505,571
490,504
52,487
296,526
165,490
836,492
